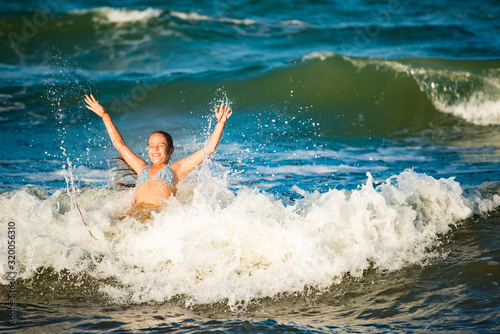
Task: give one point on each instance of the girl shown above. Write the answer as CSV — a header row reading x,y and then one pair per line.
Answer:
x,y
156,182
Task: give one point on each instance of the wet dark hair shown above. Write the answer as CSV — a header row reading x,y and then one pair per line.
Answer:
x,y
123,170
167,136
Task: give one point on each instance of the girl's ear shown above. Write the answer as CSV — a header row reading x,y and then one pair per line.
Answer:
x,y
171,151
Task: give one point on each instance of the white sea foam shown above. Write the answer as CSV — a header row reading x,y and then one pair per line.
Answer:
x,y
121,15
210,244
474,97
190,16
193,16
294,23
322,55
477,109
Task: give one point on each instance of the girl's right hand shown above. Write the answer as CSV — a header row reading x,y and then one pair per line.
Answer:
x,y
93,105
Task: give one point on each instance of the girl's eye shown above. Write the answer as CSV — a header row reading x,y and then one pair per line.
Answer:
x,y
162,146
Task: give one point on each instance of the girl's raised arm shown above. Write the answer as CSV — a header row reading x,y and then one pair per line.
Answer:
x,y
136,163
184,166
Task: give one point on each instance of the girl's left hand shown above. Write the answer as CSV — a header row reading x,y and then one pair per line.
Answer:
x,y
223,113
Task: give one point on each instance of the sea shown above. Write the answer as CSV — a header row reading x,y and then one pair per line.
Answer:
x,y
355,189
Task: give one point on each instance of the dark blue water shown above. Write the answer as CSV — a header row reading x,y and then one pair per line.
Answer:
x,y
355,187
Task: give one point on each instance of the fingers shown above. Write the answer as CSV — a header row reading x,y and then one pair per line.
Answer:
x,y
92,104
223,112
90,99
224,108
226,112
87,101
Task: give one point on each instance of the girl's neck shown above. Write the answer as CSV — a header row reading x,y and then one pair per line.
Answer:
x,y
160,164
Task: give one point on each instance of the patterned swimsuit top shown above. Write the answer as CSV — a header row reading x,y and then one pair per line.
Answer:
x,y
165,174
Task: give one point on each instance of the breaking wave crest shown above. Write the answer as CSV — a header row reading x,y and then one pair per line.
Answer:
x,y
211,244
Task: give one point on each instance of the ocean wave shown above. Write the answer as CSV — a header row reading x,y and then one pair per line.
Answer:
x,y
469,90
106,15
471,94
210,244
344,94
120,15
193,16
477,109
124,15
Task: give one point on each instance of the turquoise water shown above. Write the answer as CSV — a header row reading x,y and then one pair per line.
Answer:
x,y
355,187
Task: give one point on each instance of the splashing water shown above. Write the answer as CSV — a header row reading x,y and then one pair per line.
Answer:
x,y
210,244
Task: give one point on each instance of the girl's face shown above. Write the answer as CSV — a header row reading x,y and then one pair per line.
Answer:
x,y
158,150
